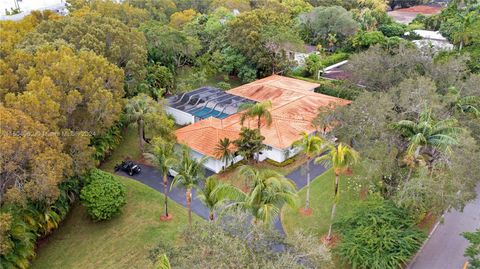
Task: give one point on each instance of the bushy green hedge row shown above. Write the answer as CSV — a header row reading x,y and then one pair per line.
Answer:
x,y
338,91
282,164
334,58
103,196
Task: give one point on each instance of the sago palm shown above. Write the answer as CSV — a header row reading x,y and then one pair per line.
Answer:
x,y
429,134
257,111
224,151
270,191
136,109
189,175
163,158
311,146
339,158
214,193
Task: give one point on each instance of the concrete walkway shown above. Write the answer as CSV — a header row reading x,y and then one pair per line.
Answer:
x,y
446,246
152,178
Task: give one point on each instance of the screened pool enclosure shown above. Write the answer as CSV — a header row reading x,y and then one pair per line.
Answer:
x,y
205,102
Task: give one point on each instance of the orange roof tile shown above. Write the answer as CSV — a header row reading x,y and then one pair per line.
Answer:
x,y
294,106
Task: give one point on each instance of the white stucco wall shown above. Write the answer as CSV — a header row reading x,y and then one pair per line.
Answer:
x,y
211,164
279,155
181,117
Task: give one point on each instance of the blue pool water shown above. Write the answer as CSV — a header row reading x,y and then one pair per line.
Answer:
x,y
206,112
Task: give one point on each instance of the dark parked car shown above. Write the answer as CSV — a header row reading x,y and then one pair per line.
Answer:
x,y
128,167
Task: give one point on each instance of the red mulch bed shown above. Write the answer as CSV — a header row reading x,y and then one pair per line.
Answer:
x,y
306,211
164,218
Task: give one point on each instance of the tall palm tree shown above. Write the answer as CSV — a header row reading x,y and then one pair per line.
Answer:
x,y
465,30
224,151
428,135
214,193
270,191
189,175
339,157
310,146
163,158
137,108
257,111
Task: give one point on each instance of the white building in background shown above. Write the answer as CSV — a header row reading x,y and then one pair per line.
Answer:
x,y
431,40
27,6
211,114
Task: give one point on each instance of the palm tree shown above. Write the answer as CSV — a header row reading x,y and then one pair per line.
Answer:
x,y
270,191
469,104
189,175
223,151
259,111
214,193
339,157
311,146
163,262
428,135
162,157
137,108
464,32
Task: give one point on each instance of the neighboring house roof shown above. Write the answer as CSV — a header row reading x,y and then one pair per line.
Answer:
x,y
294,106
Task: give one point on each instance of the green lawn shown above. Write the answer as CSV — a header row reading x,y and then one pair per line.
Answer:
x,y
321,197
123,242
129,147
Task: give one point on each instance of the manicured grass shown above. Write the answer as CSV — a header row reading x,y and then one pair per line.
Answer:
x,y
129,147
123,242
321,198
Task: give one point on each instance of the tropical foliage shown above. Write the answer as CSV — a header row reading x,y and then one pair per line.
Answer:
x,y
310,145
269,191
473,250
378,235
234,233
162,156
189,175
340,157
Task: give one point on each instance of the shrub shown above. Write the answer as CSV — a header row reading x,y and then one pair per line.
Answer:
x,y
378,235
366,39
282,164
334,58
338,91
103,196
392,29
473,250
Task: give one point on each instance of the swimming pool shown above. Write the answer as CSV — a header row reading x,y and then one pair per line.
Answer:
x,y
206,112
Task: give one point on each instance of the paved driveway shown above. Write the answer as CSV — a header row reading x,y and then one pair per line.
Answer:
x,y
152,178
445,248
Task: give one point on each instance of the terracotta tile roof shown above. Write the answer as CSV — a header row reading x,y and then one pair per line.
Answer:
x,y
294,106
203,136
421,9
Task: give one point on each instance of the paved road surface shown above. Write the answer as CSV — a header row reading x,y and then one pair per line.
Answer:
x,y
152,178
445,248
